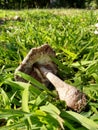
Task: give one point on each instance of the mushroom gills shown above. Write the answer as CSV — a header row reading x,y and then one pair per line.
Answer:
x,y
35,57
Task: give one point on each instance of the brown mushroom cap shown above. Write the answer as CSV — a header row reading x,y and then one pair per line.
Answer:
x,y
38,56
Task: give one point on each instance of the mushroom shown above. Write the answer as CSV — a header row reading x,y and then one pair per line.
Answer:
x,y
74,99
38,56
16,18
38,64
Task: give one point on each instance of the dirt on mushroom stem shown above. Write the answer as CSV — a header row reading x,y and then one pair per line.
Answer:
x,y
74,99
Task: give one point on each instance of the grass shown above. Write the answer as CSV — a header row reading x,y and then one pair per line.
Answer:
x,y
71,34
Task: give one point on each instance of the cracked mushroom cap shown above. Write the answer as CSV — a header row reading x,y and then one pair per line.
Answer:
x,y
34,59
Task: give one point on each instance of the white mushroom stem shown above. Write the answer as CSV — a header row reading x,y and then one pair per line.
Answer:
x,y
71,95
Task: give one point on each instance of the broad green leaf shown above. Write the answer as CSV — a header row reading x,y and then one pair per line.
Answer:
x,y
50,108
25,105
54,112
32,80
84,121
15,84
25,98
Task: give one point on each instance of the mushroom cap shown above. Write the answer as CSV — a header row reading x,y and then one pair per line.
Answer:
x,y
36,57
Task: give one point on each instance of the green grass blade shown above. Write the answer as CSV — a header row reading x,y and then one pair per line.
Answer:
x,y
69,53
84,121
69,125
50,108
54,112
14,84
5,99
32,80
7,113
25,98
61,66
43,96
18,126
25,105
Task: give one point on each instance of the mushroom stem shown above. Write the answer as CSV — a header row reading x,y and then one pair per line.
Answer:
x,y
74,99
